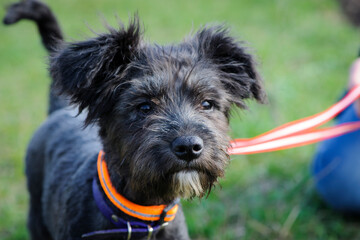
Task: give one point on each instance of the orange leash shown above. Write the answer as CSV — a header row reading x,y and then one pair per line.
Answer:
x,y
299,132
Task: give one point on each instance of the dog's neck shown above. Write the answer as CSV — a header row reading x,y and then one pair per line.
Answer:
x,y
120,180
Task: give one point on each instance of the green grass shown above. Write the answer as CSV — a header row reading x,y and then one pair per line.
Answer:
x,y
304,49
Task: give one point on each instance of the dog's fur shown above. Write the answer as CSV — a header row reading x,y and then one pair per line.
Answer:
x,y
135,99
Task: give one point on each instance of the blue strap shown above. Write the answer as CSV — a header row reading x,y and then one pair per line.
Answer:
x,y
124,229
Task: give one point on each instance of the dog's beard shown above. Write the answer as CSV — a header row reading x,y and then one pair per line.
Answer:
x,y
155,173
168,178
187,184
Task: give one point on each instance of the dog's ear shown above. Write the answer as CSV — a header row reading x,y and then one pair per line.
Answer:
x,y
89,72
236,66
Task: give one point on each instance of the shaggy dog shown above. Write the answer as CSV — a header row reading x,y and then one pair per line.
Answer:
x,y
158,115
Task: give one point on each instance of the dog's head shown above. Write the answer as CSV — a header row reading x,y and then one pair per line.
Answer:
x,y
163,111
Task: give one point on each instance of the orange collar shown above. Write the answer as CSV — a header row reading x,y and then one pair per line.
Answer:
x,y
146,213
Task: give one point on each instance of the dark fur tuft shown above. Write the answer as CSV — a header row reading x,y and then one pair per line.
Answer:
x,y
90,71
237,67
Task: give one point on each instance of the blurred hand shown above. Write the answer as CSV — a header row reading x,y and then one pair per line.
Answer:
x,y
354,79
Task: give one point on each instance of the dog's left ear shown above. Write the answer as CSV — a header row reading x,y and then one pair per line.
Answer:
x,y
236,66
91,72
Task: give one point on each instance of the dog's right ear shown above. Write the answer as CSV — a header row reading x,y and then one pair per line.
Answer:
x,y
90,71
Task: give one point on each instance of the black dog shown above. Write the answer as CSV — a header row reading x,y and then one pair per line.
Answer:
x,y
159,113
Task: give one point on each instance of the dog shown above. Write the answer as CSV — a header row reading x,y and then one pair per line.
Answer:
x,y
132,127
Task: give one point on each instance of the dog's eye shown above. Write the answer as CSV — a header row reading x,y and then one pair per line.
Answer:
x,y
145,108
207,105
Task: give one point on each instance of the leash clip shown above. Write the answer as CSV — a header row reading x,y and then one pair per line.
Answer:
x,y
129,230
150,232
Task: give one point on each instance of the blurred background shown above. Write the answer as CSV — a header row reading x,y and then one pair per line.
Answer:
x,y
304,50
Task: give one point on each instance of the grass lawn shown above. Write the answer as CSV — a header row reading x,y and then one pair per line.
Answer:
x,y
304,49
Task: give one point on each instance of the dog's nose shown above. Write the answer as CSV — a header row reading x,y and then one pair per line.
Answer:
x,y
187,147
